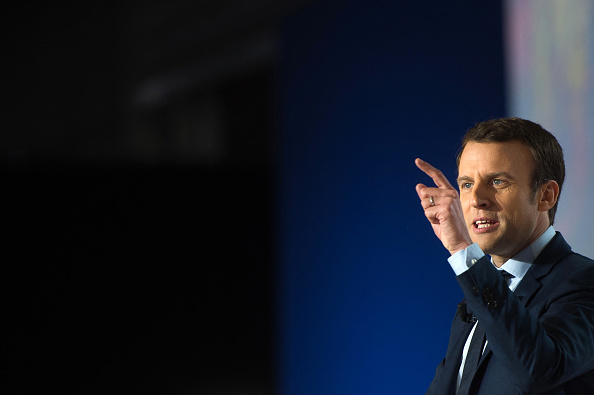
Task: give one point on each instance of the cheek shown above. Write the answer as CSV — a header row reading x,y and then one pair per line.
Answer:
x,y
522,212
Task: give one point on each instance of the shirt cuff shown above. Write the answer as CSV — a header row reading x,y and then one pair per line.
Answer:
x,y
462,260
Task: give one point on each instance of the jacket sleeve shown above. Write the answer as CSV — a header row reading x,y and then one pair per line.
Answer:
x,y
435,388
547,343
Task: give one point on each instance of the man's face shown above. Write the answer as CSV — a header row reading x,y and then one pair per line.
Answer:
x,y
499,206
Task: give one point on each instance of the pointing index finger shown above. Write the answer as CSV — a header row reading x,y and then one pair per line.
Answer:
x,y
438,178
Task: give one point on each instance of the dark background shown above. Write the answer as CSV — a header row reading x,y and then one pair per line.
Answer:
x,y
137,161
213,197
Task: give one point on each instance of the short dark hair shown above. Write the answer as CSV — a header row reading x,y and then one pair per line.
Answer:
x,y
546,151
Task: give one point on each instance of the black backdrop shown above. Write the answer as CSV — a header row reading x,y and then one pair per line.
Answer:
x,y
125,271
137,279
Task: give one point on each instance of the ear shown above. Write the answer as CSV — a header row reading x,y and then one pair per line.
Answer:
x,y
548,195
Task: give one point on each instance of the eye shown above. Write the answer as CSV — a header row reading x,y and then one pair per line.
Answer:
x,y
498,181
466,185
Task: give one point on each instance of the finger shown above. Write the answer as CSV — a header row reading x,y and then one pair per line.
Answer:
x,y
425,202
436,175
426,197
428,203
420,190
425,192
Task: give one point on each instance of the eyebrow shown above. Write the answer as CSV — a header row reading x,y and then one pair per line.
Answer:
x,y
499,174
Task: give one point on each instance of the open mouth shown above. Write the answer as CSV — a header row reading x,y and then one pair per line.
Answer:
x,y
484,224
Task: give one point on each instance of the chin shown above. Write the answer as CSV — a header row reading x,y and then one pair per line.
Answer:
x,y
487,246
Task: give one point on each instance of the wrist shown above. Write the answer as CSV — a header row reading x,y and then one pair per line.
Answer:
x,y
459,247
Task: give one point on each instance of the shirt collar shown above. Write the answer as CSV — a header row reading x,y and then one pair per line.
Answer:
x,y
521,262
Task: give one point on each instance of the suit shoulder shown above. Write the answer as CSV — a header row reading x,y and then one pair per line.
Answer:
x,y
576,265
579,260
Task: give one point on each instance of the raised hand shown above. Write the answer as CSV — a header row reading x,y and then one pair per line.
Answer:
x,y
443,209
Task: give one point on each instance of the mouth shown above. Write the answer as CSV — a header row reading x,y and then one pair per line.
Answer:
x,y
483,225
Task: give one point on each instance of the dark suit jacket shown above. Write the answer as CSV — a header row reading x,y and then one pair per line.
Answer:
x,y
540,337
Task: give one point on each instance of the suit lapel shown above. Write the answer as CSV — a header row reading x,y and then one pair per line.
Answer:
x,y
528,287
530,284
544,263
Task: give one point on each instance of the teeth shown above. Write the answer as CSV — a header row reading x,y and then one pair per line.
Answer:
x,y
483,224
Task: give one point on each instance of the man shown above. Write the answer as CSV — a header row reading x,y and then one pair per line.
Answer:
x,y
526,325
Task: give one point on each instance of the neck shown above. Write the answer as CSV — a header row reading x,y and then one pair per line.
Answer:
x,y
499,260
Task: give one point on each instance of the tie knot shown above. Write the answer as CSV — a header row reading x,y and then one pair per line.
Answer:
x,y
508,277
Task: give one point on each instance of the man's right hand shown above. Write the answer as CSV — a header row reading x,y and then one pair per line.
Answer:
x,y
445,212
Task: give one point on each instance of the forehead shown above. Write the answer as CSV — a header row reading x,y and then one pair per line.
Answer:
x,y
513,157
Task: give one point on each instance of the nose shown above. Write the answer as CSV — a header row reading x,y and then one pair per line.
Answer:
x,y
479,197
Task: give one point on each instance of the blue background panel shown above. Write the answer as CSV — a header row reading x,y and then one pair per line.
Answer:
x,y
365,294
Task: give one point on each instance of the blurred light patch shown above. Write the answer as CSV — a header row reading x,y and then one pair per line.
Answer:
x,y
550,76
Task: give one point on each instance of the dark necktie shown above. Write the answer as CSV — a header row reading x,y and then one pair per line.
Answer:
x,y
475,351
507,276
